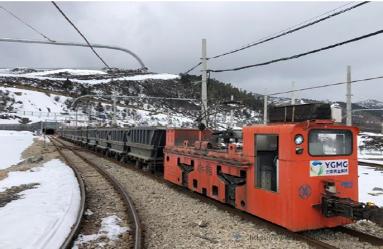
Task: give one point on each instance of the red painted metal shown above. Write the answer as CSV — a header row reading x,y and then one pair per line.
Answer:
x,y
190,160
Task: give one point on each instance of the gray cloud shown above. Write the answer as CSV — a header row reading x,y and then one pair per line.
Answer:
x,y
167,35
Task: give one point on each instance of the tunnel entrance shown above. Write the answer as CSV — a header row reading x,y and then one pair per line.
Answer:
x,y
49,131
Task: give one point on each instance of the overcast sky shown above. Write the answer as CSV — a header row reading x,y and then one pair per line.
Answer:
x,y
167,36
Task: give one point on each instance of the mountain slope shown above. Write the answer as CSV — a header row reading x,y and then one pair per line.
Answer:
x,y
67,84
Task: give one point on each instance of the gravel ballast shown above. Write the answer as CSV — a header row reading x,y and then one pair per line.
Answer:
x,y
173,219
103,203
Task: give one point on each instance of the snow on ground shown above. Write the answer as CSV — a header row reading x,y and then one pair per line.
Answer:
x,y
110,228
70,71
12,144
34,105
369,155
43,216
164,76
41,76
35,101
371,185
145,118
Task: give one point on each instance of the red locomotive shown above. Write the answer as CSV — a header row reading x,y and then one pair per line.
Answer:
x,y
300,175
300,171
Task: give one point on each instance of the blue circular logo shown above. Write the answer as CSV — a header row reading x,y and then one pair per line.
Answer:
x,y
304,191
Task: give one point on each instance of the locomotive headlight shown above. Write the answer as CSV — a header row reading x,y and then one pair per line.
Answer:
x,y
298,139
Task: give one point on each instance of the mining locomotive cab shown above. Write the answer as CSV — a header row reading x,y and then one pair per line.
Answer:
x,y
300,171
294,166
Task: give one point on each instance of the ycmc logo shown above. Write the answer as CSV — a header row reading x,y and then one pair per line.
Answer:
x,y
316,168
336,164
316,163
328,167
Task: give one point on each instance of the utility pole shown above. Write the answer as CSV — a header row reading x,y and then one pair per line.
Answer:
x,y
114,122
44,136
232,113
90,114
348,98
293,93
265,109
76,117
204,84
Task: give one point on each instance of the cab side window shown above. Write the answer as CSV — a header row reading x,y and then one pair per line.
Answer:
x,y
266,168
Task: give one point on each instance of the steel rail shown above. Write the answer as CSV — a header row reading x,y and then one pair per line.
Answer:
x,y
298,236
68,242
370,164
376,241
132,212
77,44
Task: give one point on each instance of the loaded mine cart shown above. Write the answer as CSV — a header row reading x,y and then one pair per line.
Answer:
x,y
299,171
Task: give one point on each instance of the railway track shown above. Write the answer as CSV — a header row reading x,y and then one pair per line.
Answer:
x,y
370,164
76,227
134,221
361,236
311,240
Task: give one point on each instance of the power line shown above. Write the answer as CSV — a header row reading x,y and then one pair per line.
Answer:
x,y
300,55
327,85
26,24
194,67
290,31
301,23
78,31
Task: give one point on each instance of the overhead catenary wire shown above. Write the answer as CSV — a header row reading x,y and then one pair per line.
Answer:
x,y
301,54
26,24
78,31
289,30
194,67
327,85
299,24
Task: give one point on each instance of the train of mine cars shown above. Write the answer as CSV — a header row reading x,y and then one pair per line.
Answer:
x,y
300,174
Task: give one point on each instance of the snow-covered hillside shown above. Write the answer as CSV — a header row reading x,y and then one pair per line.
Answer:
x,y
18,103
37,94
37,106
94,76
34,101
370,104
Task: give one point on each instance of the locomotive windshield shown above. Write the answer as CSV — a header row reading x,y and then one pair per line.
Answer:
x,y
330,142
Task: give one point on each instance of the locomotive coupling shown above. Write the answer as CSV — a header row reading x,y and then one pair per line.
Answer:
x,y
332,205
